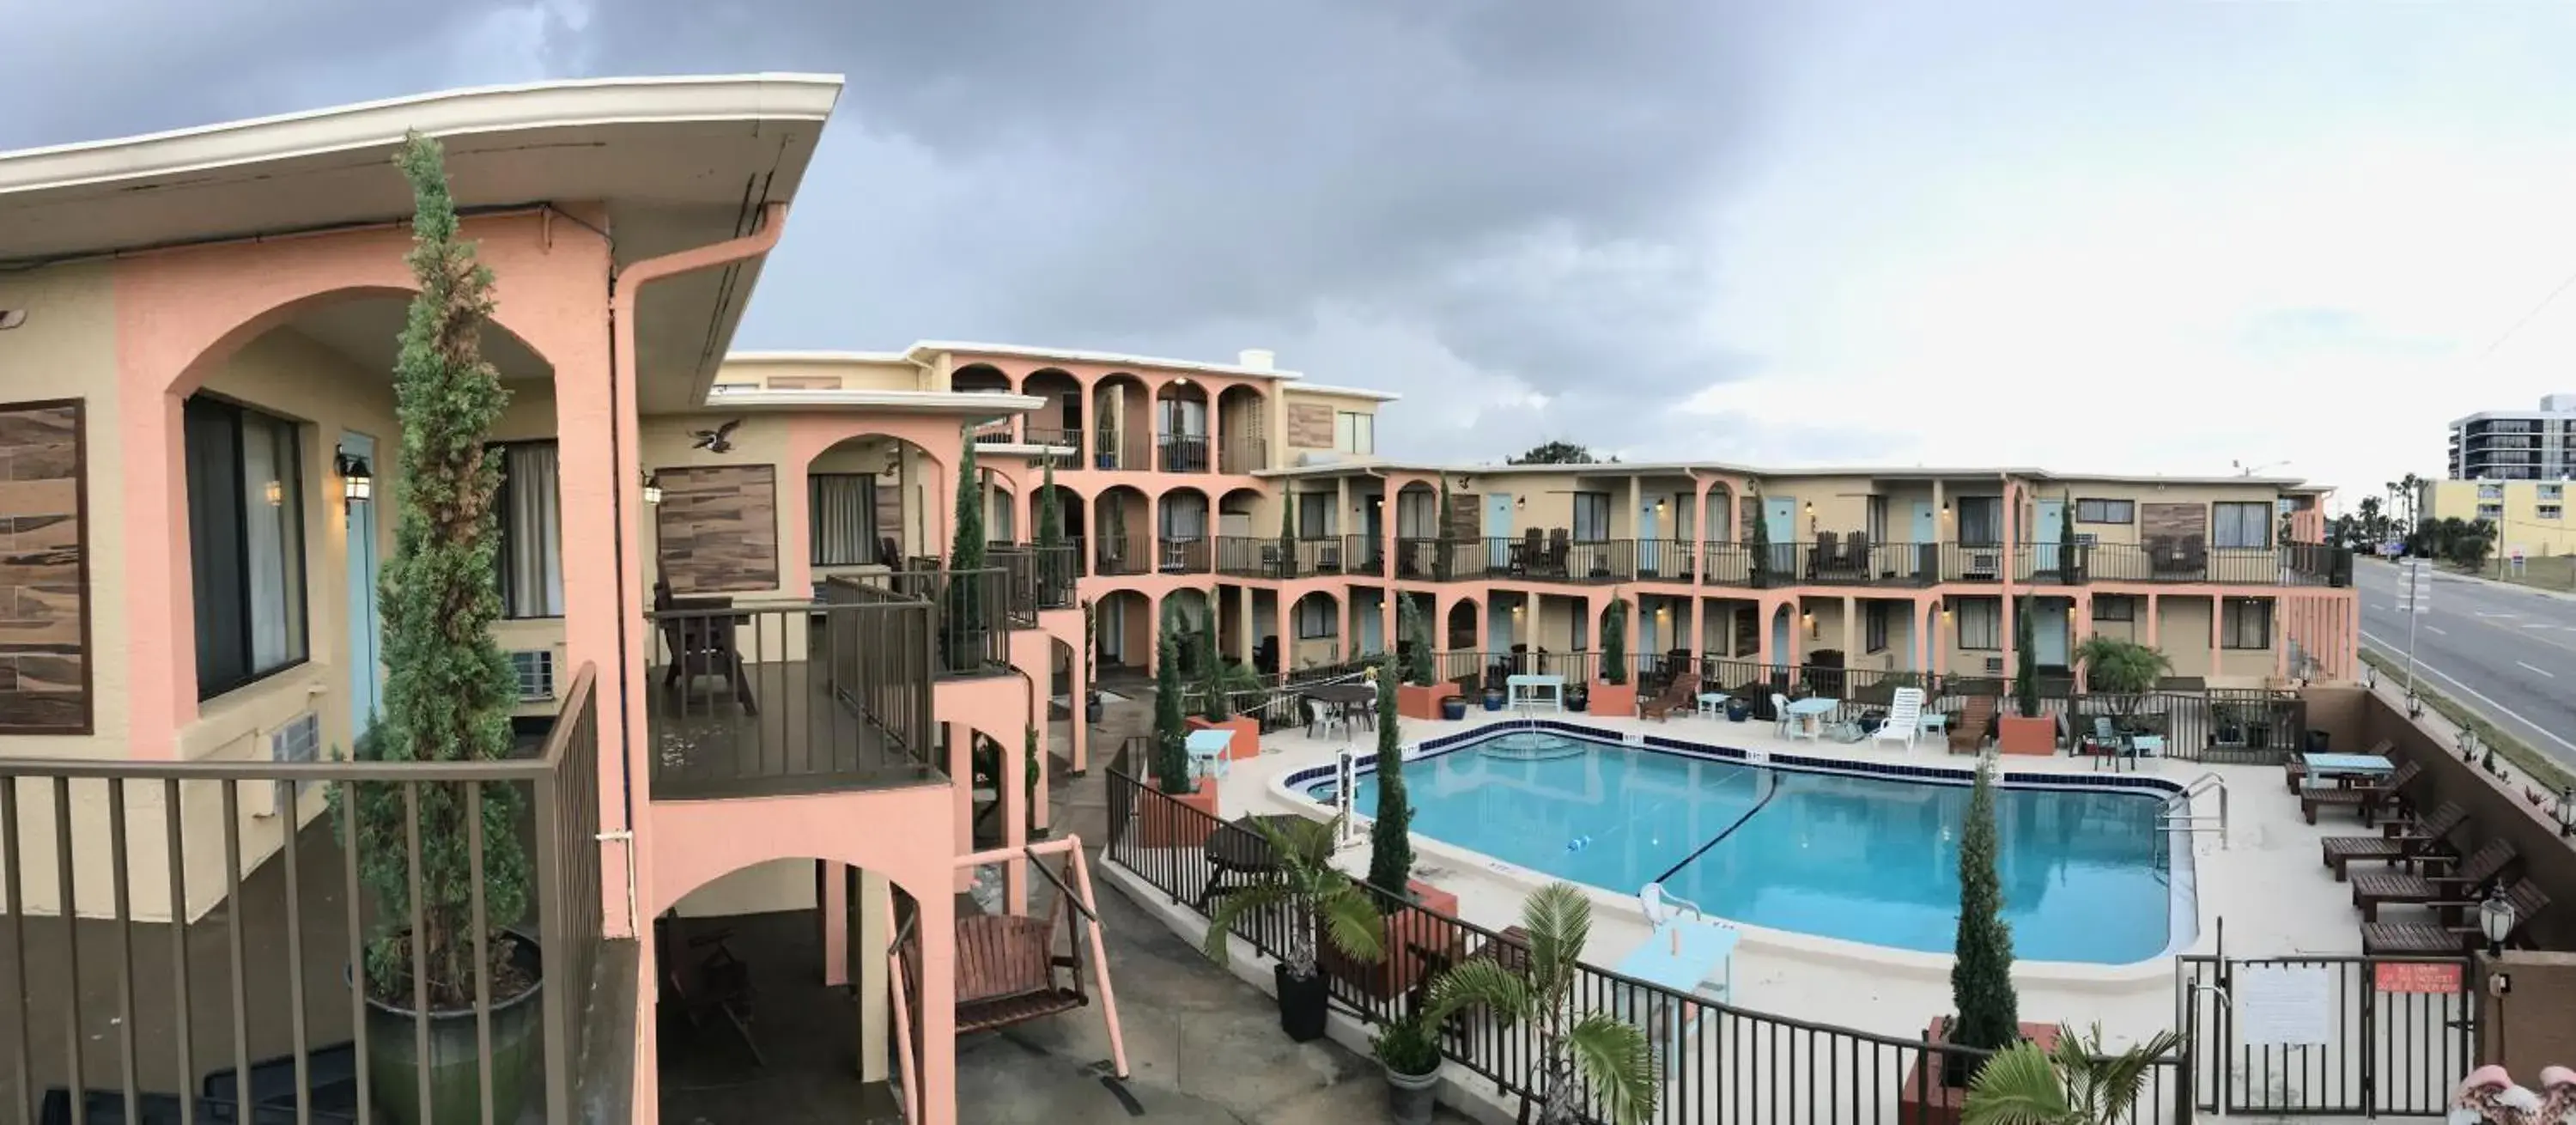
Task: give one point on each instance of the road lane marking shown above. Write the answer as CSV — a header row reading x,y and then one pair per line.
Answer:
x,y
2473,693
2542,671
2436,630
2377,608
2535,625
2483,613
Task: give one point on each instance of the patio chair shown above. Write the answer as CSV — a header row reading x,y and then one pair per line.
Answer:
x,y
2399,843
1904,718
718,987
1532,551
1320,718
2366,800
1822,561
1970,732
1780,714
1681,695
2457,932
2373,889
1856,559
1560,549
701,646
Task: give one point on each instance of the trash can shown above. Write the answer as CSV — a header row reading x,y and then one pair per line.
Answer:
x,y
2317,741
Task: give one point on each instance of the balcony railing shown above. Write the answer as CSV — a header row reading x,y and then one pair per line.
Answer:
x,y
1244,454
1134,454
181,930
1182,453
1056,436
1364,555
815,697
1116,555
999,431
1251,556
1191,555
1844,562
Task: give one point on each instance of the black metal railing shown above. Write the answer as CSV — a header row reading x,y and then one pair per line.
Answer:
x,y
1858,562
1181,453
2186,559
1194,554
1667,560
1717,1063
1058,569
813,697
2389,1051
1130,452
1118,555
1364,555
179,931
1055,437
999,431
1254,556
1242,455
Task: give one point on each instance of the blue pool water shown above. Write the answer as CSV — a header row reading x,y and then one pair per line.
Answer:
x,y
1860,858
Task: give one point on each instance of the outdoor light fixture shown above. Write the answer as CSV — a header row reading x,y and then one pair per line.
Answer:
x,y
2495,919
2567,812
652,489
357,482
276,494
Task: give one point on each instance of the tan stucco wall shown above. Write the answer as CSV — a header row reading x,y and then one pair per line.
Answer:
x,y
1291,396
2520,523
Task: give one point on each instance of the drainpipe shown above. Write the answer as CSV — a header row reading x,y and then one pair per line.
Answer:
x,y
625,287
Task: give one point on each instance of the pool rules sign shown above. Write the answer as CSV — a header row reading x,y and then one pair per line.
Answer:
x,y
2284,1006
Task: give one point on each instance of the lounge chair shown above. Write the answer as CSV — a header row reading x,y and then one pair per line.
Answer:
x,y
2297,768
2363,799
2373,889
1969,733
2399,843
1856,552
1680,695
1822,559
2457,932
1904,718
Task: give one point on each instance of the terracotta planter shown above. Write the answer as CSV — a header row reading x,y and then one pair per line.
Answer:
x,y
1247,735
1184,821
1417,702
1611,700
1413,946
2016,734
1923,1100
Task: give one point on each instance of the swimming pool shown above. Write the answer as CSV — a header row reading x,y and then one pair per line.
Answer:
x,y
1865,852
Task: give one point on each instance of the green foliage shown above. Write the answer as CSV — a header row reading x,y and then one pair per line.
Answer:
x,y
1614,642
2120,665
1090,646
1171,754
1989,1012
1391,833
1287,532
448,689
1311,889
1758,542
1580,1046
961,635
1443,535
1055,565
2025,659
1407,1046
1558,453
2067,549
1213,682
2081,1083
1411,626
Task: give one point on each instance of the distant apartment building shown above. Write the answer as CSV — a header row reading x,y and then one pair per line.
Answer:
x,y
2527,514
2517,444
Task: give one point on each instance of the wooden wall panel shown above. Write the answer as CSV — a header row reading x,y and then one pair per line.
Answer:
x,y
44,576
2176,520
719,529
1310,425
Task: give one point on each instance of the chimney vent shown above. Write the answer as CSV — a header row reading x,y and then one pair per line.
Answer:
x,y
1258,359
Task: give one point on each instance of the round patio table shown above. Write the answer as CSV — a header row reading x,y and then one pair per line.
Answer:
x,y
1348,700
1241,849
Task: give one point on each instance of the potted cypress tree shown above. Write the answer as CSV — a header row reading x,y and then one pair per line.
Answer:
x,y
1218,681
1055,558
1418,697
448,694
1758,544
1171,757
1391,858
967,623
2070,567
1444,536
1981,988
1614,695
2032,731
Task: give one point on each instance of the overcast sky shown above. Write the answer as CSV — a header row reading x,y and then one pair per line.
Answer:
x,y
2147,237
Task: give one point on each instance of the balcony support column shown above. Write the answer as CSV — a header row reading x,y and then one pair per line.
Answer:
x,y
1851,630
1925,623
2081,627
2151,620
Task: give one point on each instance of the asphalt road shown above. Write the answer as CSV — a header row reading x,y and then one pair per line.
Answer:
x,y
2508,652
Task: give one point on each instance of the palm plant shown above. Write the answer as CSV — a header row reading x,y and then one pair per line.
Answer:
x,y
1577,1050
2077,1084
1316,895
2121,667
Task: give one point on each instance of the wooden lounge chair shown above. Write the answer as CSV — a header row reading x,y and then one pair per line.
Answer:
x,y
2401,842
2363,799
2458,930
1969,732
1682,694
2373,889
2297,767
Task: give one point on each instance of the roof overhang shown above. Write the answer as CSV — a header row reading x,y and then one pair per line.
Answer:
x,y
976,405
671,163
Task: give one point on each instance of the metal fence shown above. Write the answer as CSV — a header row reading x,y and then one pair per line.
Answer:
x,y
2391,1036
187,936
1718,1064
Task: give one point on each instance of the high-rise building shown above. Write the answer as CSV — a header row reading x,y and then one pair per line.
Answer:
x,y
2517,444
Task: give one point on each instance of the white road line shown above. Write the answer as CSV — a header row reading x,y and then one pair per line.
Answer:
x,y
2542,671
2486,614
2535,625
2472,693
2436,630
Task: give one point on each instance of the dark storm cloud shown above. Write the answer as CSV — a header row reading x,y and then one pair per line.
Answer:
x,y
1496,204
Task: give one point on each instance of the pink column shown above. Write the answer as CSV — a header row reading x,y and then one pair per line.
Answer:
x,y
1764,608
1014,798
2217,614
1081,724
961,771
2012,557
2083,618
1926,620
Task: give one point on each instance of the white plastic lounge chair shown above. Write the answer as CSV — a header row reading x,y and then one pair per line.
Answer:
x,y
1662,909
1904,718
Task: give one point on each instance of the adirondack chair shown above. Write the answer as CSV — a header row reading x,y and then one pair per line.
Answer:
x,y
2458,930
701,646
1680,695
1970,731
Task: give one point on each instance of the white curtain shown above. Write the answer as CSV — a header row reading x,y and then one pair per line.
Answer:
x,y
534,532
270,506
844,515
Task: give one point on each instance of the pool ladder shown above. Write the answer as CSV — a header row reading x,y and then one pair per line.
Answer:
x,y
2178,814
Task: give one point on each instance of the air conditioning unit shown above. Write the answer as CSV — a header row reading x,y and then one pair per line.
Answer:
x,y
300,740
536,674
1995,665
1983,564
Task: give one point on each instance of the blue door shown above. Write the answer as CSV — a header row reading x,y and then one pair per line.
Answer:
x,y
1780,635
1927,523
366,645
2048,632
1498,531
2050,513
1780,523
1649,543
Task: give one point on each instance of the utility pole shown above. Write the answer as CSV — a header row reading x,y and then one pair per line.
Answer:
x,y
2414,599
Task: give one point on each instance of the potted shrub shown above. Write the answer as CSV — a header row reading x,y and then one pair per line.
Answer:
x,y
1454,708
1578,698
1412,1061
1171,760
1419,696
1737,710
2080,1082
1219,681
2032,731
448,695
1613,694
1579,1047
1988,1012
1322,904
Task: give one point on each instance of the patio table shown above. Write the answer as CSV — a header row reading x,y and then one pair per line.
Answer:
x,y
2344,769
1532,692
1240,848
1350,701
1687,955
1810,715
1208,750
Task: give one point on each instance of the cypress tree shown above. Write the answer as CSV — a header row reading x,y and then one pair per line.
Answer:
x,y
1055,567
1758,542
2067,566
2025,664
1212,674
448,689
964,633
1409,625
1614,643
1443,536
1391,834
1287,534
1171,754
1981,985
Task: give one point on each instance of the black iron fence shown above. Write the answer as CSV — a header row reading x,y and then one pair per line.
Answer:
x,y
1183,453
2394,1035
1364,555
1118,555
1719,1064
182,934
1184,554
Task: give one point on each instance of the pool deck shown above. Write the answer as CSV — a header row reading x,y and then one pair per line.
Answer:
x,y
2267,885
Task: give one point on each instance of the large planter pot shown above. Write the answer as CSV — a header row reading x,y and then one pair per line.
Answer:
x,y
1302,1004
1737,710
1408,932
1493,699
1618,700
1415,701
1938,1097
1093,710
1578,703
1247,734
1453,709
2019,734
1411,1098
456,1062
1185,821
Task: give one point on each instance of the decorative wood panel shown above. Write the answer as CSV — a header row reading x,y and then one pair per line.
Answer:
x,y
719,529
1466,515
1310,425
2177,520
44,570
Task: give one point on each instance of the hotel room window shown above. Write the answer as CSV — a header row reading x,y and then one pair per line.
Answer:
x,y
246,542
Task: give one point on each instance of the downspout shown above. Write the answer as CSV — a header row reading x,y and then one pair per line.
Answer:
x,y
624,289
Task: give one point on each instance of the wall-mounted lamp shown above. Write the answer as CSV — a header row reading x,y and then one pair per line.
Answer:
x,y
276,494
2567,812
652,489
2496,919
357,481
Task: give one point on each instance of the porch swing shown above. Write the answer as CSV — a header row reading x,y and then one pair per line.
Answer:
x,y
1007,967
